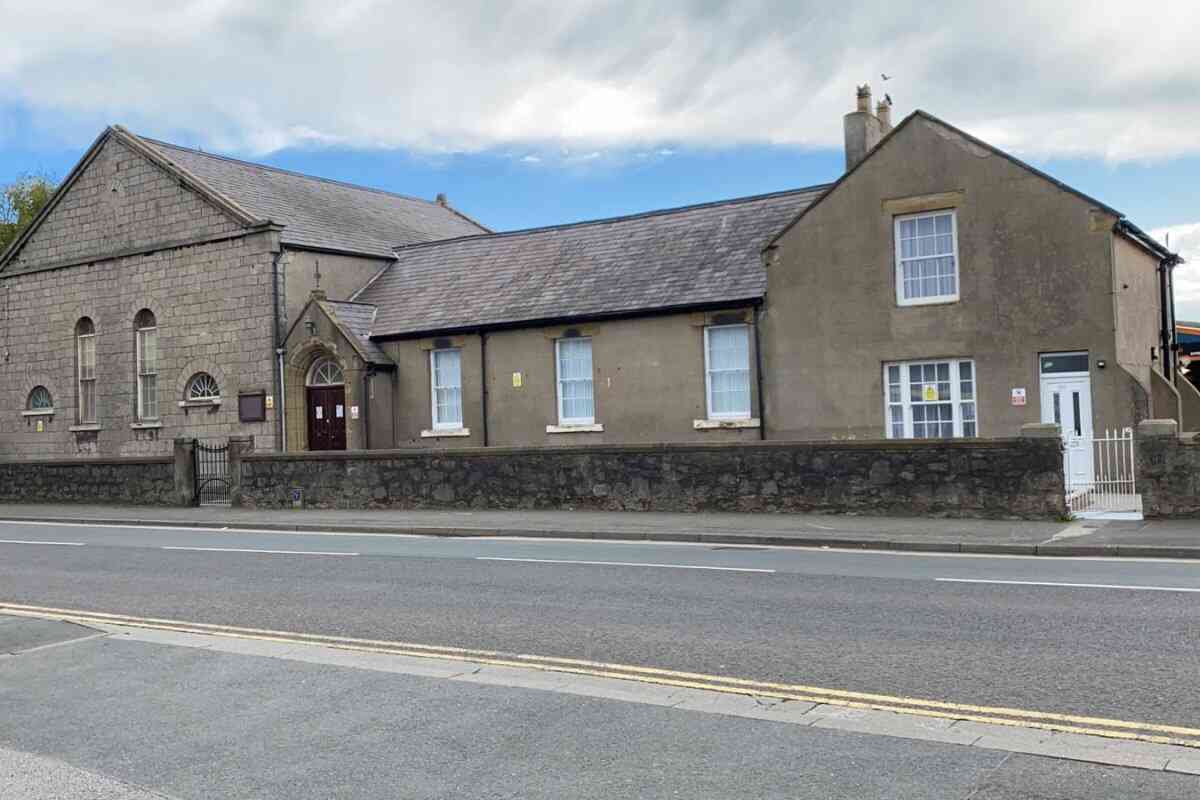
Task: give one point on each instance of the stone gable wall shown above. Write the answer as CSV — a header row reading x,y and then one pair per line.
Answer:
x,y
121,201
967,478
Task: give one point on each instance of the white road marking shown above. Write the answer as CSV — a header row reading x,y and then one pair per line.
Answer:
x,y
1075,585
620,564
164,525
248,550
27,541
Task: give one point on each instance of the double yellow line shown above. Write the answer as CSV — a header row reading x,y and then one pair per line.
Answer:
x,y
992,715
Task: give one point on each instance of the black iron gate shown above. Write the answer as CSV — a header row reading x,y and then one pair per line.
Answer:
x,y
211,463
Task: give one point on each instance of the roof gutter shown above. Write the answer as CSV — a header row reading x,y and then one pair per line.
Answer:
x,y
543,322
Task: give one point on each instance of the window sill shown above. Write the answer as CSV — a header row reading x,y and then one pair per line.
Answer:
x,y
41,412
929,301
143,426
442,433
214,401
87,426
593,427
725,424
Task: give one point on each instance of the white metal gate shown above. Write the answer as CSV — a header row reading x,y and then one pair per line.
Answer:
x,y
1112,486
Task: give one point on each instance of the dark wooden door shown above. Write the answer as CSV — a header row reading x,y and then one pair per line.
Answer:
x,y
327,418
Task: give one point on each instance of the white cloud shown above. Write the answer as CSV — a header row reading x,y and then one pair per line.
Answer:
x,y
1185,240
1098,78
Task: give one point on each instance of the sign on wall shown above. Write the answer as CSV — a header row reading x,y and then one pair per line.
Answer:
x,y
1018,397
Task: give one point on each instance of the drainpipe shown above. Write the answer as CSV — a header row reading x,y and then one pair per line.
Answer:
x,y
366,407
483,383
280,424
758,374
1166,289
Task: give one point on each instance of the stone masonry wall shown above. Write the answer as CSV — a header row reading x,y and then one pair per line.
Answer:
x,y
1168,470
211,300
121,201
208,301
969,478
141,481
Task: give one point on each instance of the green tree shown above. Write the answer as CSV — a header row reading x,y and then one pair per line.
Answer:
x,y
20,202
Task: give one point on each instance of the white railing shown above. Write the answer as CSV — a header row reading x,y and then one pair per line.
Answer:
x,y
1112,485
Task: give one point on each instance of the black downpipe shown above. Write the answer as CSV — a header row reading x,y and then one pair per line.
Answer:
x,y
277,340
366,408
758,376
483,383
1168,353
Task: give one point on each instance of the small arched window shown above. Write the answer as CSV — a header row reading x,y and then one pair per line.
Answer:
x,y
85,356
326,373
146,333
40,400
203,386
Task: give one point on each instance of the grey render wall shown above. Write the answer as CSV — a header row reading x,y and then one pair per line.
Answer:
x,y
140,481
648,373
1036,275
211,300
1168,470
968,478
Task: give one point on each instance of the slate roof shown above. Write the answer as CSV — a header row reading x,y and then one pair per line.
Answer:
x,y
686,257
356,320
321,213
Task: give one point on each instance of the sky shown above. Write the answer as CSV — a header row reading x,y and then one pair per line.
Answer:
x,y
533,112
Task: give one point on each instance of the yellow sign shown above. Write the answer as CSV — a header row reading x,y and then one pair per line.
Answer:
x,y
41,426
270,402
517,380
931,393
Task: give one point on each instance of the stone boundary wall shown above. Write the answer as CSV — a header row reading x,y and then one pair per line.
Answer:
x,y
141,481
1019,477
1168,470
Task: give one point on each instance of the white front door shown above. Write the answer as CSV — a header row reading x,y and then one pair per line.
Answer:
x,y
1067,402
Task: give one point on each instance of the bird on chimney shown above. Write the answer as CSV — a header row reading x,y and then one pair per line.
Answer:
x,y
887,98
885,76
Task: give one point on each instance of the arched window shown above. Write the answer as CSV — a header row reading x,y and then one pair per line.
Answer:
x,y
39,400
326,373
85,352
146,333
202,386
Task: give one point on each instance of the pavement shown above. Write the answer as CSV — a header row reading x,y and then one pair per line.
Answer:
x,y
119,713
1107,538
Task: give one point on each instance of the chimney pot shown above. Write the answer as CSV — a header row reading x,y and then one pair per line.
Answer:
x,y
883,112
864,98
441,199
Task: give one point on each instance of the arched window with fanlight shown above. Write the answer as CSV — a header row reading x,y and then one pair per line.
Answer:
x,y
85,357
39,401
326,372
202,388
146,333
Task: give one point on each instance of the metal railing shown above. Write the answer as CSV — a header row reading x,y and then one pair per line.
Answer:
x,y
212,473
1112,483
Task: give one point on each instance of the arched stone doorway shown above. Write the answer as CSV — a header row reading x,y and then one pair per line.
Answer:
x,y
326,403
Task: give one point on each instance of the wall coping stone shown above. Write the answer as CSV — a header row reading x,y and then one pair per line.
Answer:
x,y
1041,430
658,447
1158,427
87,462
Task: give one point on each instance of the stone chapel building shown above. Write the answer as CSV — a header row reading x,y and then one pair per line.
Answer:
x,y
938,288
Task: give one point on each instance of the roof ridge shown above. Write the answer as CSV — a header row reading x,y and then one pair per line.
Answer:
x,y
295,173
619,218
352,302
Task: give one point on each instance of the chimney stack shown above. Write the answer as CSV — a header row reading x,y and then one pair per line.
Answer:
x,y
862,128
441,199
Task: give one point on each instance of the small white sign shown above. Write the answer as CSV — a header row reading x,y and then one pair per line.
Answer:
x,y
1018,397
353,412
340,411
320,412
517,380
